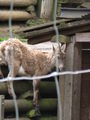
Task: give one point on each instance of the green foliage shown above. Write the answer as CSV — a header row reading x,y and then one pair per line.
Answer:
x,y
62,39
19,37
33,22
33,113
3,39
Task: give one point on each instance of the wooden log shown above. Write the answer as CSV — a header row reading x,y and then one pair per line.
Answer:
x,y
46,105
48,118
16,15
41,118
15,119
18,3
18,89
46,88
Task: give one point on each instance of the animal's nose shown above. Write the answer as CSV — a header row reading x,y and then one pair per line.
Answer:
x,y
61,67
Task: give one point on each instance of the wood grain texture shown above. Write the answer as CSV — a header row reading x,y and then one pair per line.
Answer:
x,y
18,3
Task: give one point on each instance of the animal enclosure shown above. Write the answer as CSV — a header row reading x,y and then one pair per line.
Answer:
x,y
76,87
85,83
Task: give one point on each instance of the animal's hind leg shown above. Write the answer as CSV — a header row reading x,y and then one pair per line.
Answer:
x,y
36,85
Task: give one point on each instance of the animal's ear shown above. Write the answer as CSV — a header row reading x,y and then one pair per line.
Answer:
x,y
59,45
63,48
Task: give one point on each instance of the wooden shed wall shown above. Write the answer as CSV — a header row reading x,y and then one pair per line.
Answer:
x,y
85,83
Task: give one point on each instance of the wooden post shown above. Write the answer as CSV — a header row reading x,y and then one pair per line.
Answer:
x,y
46,9
1,107
72,82
39,7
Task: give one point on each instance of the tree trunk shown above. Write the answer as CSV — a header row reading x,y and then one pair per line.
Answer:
x,y
16,15
18,3
46,105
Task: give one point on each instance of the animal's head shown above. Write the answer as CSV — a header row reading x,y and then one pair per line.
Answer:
x,y
59,52
2,61
1,57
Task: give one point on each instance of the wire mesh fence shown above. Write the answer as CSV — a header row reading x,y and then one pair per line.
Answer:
x,y
53,74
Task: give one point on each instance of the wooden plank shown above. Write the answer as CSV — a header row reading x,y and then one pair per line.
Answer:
x,y
47,9
76,83
68,83
83,37
85,84
72,83
1,107
41,26
43,33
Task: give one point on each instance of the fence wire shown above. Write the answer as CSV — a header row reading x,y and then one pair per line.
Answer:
x,y
57,70
12,61
53,74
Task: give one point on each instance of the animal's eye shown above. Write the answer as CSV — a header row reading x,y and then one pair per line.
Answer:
x,y
58,57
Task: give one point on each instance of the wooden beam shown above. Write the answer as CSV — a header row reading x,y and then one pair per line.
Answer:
x,y
46,9
38,27
83,37
1,107
72,82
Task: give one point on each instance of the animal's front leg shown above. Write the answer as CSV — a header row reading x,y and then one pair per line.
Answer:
x,y
36,84
10,84
12,73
